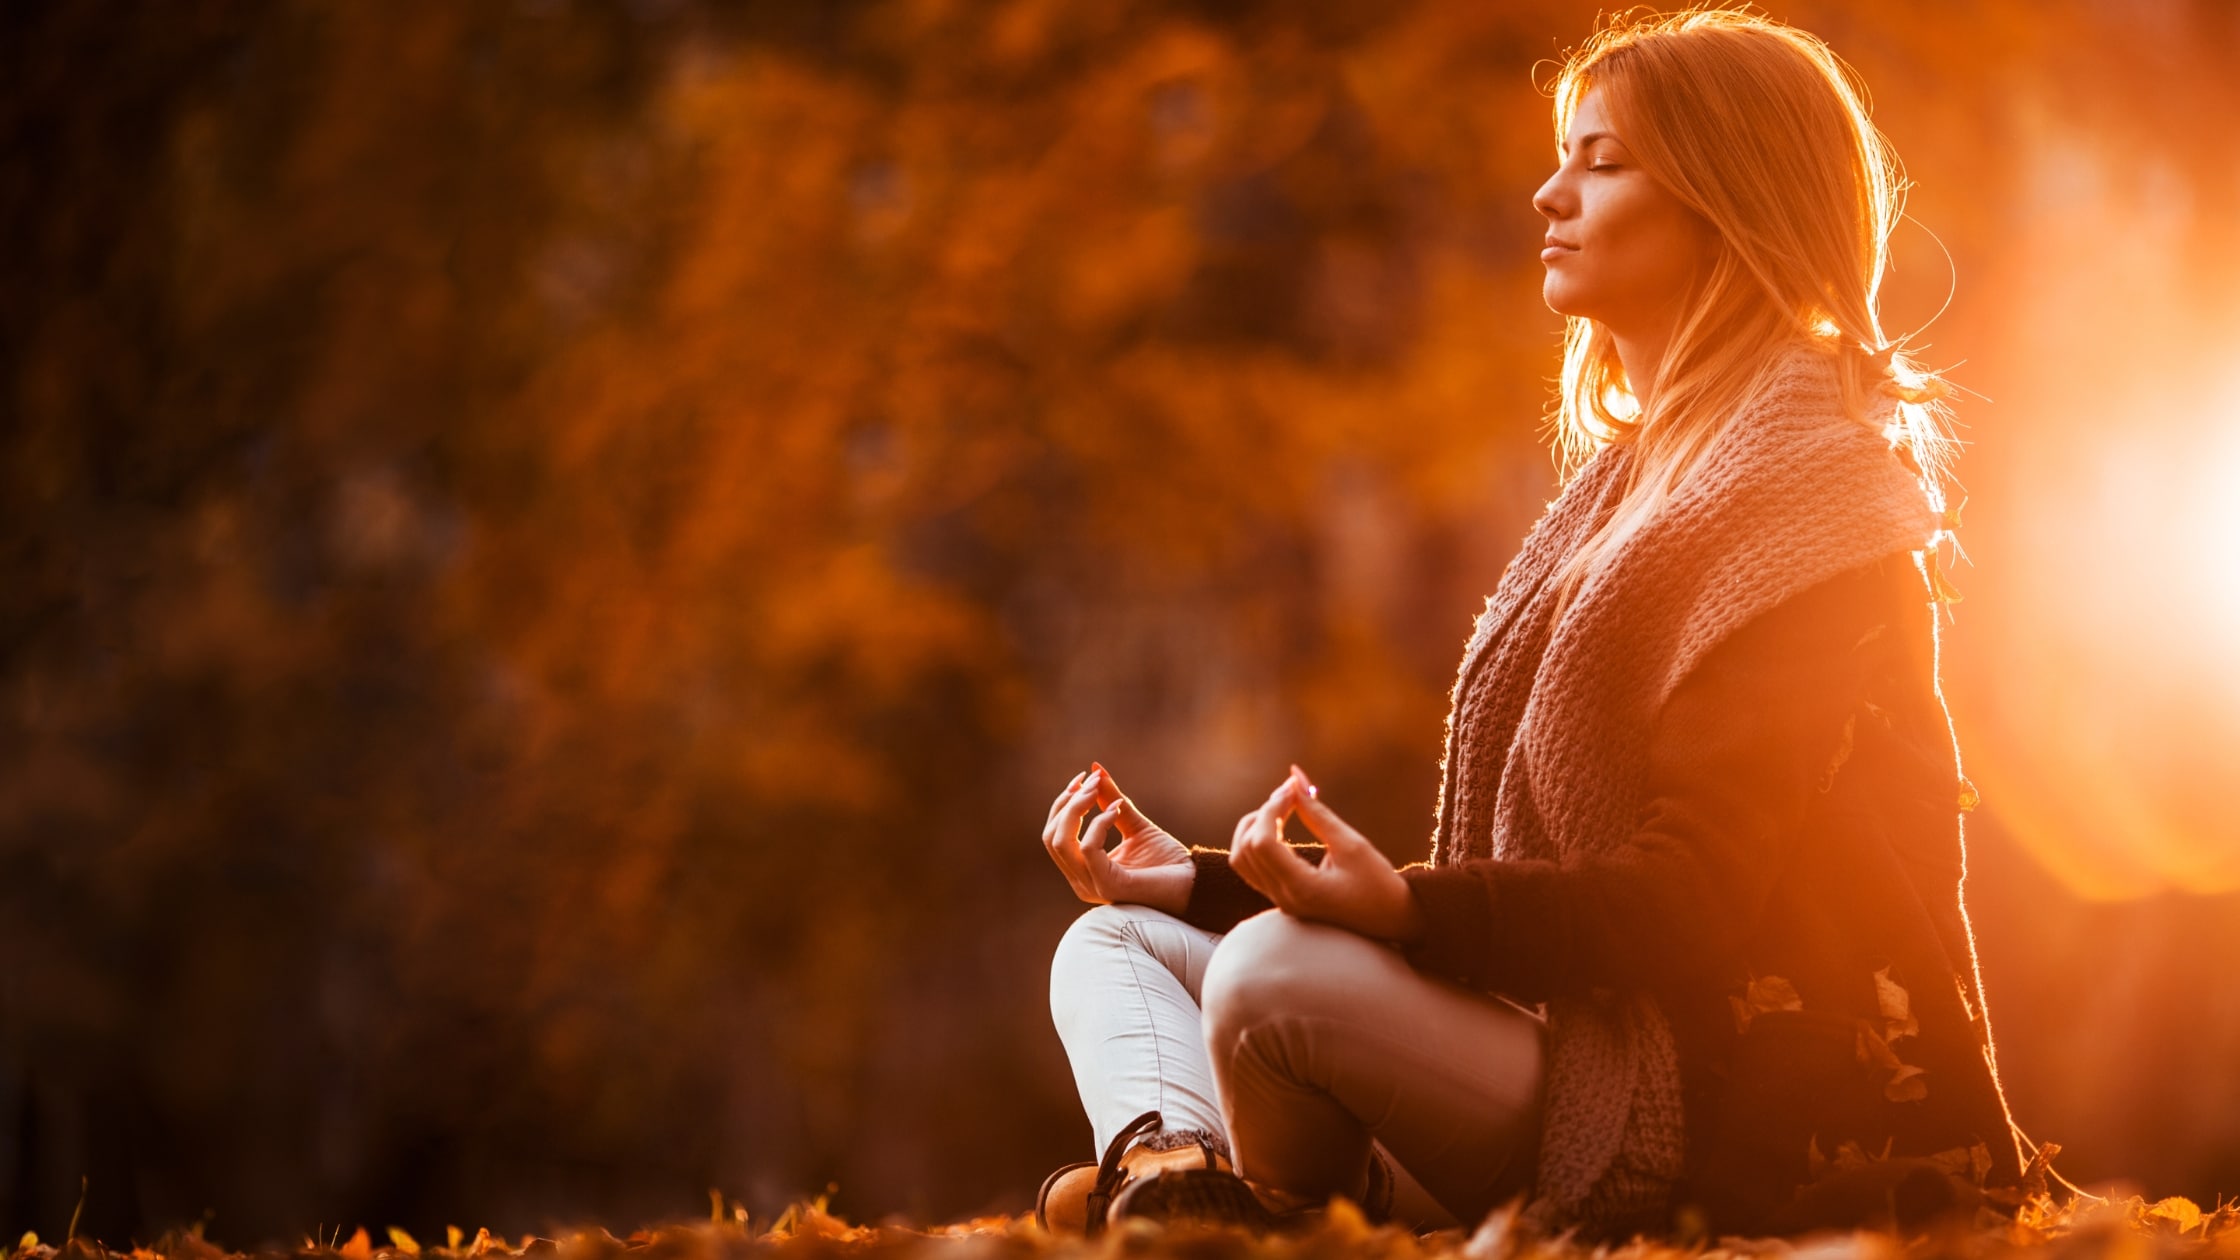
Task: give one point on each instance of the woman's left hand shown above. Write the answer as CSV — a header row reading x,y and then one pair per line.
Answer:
x,y
1355,887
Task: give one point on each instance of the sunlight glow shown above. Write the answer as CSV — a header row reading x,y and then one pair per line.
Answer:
x,y
2121,694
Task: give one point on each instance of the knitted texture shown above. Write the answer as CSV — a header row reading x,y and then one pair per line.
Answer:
x,y
1548,733
1170,1139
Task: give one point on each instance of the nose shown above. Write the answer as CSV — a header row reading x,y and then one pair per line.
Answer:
x,y
1552,199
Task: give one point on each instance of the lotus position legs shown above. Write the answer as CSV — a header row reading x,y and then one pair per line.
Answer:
x,y
1302,1044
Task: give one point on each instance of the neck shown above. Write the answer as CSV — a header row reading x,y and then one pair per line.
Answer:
x,y
1641,350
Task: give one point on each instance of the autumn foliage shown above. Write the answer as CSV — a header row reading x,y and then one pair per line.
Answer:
x,y
551,552
2073,1228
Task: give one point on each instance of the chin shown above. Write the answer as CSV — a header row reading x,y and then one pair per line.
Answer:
x,y
1558,300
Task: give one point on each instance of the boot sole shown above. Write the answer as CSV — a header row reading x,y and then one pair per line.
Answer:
x,y
1199,1195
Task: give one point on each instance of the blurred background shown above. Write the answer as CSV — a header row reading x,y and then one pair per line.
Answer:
x,y
553,554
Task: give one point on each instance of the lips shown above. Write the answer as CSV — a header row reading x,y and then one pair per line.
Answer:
x,y
1557,247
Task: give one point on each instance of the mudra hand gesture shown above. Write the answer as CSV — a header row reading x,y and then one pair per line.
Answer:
x,y
1148,867
1355,887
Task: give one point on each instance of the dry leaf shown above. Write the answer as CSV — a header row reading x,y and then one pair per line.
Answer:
x,y
1906,1084
1956,1161
1896,1005
2034,1172
1345,1220
1874,1051
403,1241
1765,993
2223,1220
2179,1210
1850,1156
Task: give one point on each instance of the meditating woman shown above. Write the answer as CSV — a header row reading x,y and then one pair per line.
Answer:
x,y
1689,953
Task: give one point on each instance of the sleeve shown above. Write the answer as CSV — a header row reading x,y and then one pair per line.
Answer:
x,y
1740,747
1219,897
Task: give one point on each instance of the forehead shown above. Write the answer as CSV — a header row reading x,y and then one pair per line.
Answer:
x,y
1588,122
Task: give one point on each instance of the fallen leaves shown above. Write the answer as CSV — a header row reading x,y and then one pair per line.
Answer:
x,y
1764,993
2083,1227
2041,1227
1905,1082
1902,1081
1971,1162
1897,1007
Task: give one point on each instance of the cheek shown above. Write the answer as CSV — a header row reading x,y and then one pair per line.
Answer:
x,y
1651,246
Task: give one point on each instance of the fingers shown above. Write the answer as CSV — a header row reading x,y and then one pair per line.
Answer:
x,y
1325,825
1283,877
1103,875
1260,856
1131,819
1107,790
1264,824
1319,818
1058,837
1071,801
1063,793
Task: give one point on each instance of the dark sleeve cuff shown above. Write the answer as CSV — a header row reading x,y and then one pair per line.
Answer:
x,y
1506,926
1457,908
1219,897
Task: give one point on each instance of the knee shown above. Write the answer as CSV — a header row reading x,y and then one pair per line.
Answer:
x,y
1088,943
1274,965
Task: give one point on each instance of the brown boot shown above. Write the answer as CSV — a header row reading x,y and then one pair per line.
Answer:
x,y
1216,1196
1077,1198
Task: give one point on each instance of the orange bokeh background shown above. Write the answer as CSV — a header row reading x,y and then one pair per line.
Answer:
x,y
557,551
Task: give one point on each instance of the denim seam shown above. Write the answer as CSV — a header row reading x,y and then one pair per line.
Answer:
x,y
1150,1020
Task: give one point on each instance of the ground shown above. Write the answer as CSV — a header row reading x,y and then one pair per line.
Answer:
x,y
2079,1226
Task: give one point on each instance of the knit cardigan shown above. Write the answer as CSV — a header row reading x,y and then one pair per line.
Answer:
x,y
1636,823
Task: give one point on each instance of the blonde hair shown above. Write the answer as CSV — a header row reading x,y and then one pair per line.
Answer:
x,y
1760,129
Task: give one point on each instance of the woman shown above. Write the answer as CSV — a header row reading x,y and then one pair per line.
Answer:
x,y
1689,952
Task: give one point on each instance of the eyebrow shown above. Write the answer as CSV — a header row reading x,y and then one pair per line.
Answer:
x,y
1588,139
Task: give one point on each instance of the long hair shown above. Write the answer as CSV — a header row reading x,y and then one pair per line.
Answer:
x,y
1764,132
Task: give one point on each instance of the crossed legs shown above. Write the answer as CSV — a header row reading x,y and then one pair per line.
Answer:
x,y
1303,1044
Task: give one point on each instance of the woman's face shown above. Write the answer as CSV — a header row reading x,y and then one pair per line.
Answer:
x,y
1620,248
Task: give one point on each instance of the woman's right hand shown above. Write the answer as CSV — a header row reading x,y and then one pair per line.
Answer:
x,y
1148,868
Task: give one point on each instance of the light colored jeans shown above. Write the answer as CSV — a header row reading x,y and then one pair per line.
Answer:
x,y
1303,1044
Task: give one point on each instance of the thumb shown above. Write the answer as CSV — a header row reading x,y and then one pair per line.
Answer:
x,y
1333,831
1130,820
